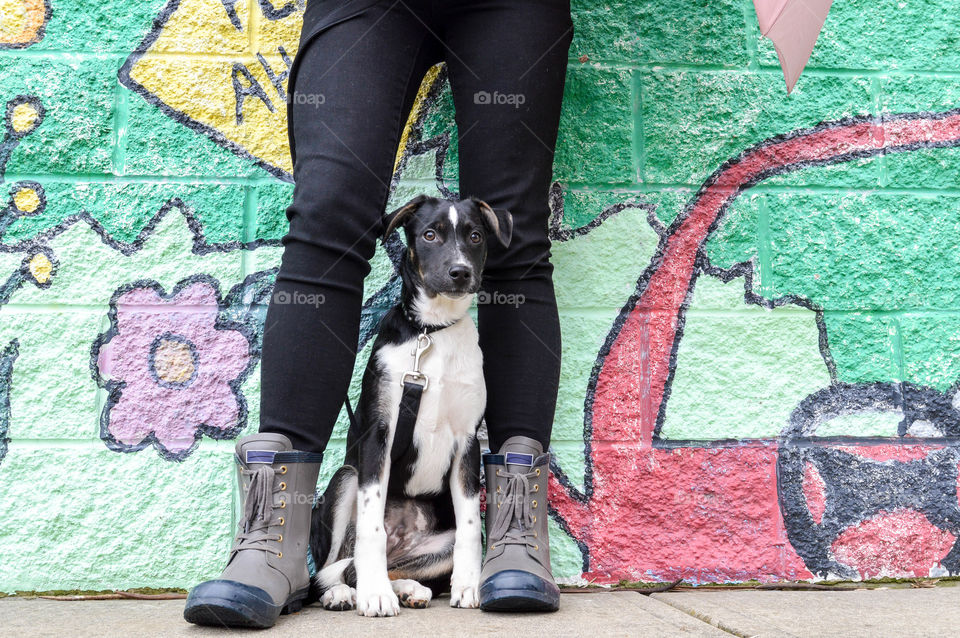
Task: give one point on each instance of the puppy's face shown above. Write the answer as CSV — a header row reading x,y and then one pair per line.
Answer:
x,y
447,241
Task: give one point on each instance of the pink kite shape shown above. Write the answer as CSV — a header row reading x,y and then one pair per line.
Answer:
x,y
793,26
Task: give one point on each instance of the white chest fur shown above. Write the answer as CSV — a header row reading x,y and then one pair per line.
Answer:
x,y
452,404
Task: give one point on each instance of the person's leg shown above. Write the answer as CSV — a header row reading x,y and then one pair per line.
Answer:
x,y
354,86
351,88
507,64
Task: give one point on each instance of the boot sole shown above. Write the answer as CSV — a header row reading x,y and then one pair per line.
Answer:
x,y
222,603
520,600
516,590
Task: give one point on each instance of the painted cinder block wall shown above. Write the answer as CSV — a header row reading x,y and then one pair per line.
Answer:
x,y
758,291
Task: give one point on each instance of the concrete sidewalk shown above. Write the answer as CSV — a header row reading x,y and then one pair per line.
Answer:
x,y
873,613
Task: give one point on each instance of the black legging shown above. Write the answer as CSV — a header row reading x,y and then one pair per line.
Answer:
x,y
352,85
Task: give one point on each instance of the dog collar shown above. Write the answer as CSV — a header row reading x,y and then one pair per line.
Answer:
x,y
422,328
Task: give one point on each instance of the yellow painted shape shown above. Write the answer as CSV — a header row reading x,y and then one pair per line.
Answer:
x,y
204,26
173,361
200,88
40,268
418,110
26,200
24,117
21,21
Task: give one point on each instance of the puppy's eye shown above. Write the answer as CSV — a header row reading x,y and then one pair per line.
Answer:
x,y
430,234
476,237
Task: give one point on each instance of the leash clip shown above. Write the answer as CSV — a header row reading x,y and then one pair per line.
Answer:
x,y
423,344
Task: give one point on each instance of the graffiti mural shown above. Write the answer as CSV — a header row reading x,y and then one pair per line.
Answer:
x,y
627,399
761,355
253,85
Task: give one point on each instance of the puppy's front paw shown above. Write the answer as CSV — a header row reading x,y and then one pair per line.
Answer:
x,y
378,600
339,598
411,593
465,596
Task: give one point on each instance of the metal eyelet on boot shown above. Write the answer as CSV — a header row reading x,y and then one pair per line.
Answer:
x,y
279,554
280,540
283,504
538,471
283,486
283,469
282,521
536,487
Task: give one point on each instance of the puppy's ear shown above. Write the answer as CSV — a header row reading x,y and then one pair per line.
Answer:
x,y
498,221
401,215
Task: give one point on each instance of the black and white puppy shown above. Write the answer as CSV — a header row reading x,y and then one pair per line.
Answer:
x,y
400,522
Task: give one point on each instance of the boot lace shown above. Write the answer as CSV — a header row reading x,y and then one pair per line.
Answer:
x,y
515,519
257,512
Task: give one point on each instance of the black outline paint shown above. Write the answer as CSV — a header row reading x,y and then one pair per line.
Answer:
x,y
7,358
200,244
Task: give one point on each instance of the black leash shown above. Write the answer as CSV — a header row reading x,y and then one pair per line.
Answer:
x,y
414,383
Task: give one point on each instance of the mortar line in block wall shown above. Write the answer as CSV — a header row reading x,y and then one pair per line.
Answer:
x,y
876,97
118,129
53,308
760,68
98,308
639,149
98,178
38,444
751,34
249,228
101,396
896,346
253,25
765,248
931,192
587,312
79,56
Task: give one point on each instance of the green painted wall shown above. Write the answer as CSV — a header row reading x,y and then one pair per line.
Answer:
x,y
121,170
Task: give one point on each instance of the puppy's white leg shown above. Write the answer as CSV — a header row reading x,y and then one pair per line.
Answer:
x,y
411,593
467,548
375,596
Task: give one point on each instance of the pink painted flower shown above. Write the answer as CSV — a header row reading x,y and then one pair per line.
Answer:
x,y
172,369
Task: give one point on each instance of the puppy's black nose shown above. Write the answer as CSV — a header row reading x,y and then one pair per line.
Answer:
x,y
460,273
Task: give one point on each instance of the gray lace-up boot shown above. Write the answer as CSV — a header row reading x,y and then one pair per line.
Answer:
x,y
267,571
516,569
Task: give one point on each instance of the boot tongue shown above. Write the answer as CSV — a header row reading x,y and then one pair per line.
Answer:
x,y
260,448
519,453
